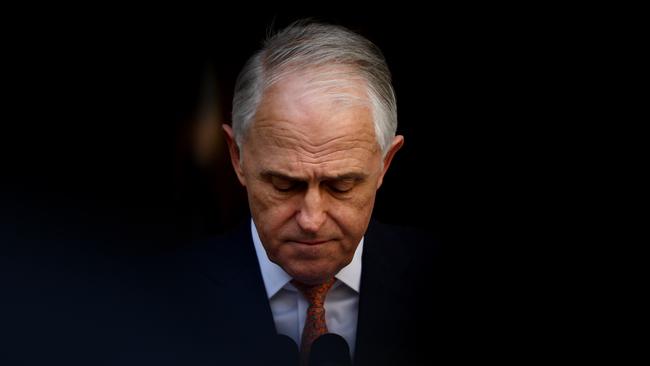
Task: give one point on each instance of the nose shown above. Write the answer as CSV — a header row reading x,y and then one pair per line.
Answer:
x,y
312,213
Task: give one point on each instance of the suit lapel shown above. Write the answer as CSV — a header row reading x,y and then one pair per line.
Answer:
x,y
381,305
236,302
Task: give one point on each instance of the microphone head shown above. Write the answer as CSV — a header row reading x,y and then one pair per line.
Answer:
x,y
281,351
330,350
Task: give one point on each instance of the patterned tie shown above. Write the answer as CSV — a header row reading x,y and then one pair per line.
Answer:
x,y
315,325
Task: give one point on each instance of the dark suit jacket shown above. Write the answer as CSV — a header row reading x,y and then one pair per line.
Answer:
x,y
208,306
219,291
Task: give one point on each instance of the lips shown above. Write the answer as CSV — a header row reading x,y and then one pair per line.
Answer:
x,y
310,242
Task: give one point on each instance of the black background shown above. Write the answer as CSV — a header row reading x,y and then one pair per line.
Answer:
x,y
96,161
100,106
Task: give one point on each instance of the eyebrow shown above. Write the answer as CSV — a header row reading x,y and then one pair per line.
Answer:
x,y
345,176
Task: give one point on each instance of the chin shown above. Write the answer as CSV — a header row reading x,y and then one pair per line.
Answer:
x,y
311,276
312,280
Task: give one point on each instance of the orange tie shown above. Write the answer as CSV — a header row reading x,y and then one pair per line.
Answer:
x,y
315,325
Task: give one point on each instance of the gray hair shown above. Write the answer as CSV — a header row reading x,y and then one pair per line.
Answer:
x,y
305,45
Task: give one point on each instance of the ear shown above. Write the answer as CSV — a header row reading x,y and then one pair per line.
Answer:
x,y
235,156
398,141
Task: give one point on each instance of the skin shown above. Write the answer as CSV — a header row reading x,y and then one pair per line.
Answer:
x,y
311,166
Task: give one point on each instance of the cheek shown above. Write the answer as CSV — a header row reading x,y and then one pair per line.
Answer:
x,y
353,215
269,208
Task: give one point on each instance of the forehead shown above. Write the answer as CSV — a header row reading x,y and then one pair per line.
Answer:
x,y
314,91
315,120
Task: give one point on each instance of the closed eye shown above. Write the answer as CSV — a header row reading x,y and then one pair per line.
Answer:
x,y
285,185
342,185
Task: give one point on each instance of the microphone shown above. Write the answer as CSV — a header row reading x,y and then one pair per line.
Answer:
x,y
330,350
281,351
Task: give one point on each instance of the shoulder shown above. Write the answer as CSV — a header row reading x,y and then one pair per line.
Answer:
x,y
405,240
223,249
404,252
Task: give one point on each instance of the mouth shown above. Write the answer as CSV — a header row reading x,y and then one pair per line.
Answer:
x,y
310,242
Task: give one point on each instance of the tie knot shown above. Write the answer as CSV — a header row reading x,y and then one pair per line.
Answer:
x,y
315,294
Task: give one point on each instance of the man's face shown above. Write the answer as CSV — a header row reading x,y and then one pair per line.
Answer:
x,y
311,165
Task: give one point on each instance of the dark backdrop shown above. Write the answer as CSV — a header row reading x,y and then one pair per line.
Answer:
x,y
99,159
100,143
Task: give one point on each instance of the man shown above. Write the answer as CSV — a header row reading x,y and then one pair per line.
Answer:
x,y
312,137
313,134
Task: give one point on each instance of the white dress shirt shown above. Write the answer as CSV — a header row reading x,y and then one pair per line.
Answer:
x,y
289,307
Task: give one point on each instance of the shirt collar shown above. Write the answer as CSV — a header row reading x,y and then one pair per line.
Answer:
x,y
275,278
